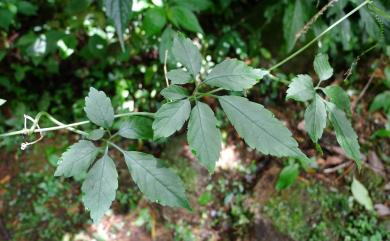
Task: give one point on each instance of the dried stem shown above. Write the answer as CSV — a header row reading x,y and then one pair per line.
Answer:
x,y
314,19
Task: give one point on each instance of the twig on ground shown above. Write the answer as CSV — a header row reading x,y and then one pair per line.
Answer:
x,y
336,168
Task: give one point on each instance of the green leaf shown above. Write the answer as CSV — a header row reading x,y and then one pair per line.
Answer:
x,y
166,43
74,7
205,198
294,19
204,138
26,8
287,176
174,92
183,17
98,108
96,135
119,11
179,76
77,159
387,76
345,134
338,97
382,133
6,18
187,54
195,5
154,20
232,74
158,183
301,88
2,102
322,66
261,73
315,118
259,128
381,101
99,187
361,195
171,117
137,127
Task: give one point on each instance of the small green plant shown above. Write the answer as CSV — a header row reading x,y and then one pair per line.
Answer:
x,y
253,122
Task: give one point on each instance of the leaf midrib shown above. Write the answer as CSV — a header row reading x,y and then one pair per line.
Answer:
x,y
158,180
82,157
260,126
203,136
343,135
227,75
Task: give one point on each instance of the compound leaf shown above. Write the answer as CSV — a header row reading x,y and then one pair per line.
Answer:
x,y
119,11
232,74
179,76
137,127
99,109
158,183
259,128
77,159
338,97
315,118
99,187
345,134
171,117
322,66
174,92
203,135
361,195
187,54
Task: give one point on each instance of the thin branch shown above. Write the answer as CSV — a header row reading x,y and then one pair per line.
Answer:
x,y
21,132
338,167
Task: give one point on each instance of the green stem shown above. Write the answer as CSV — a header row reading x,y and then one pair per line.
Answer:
x,y
115,146
319,36
67,126
55,121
